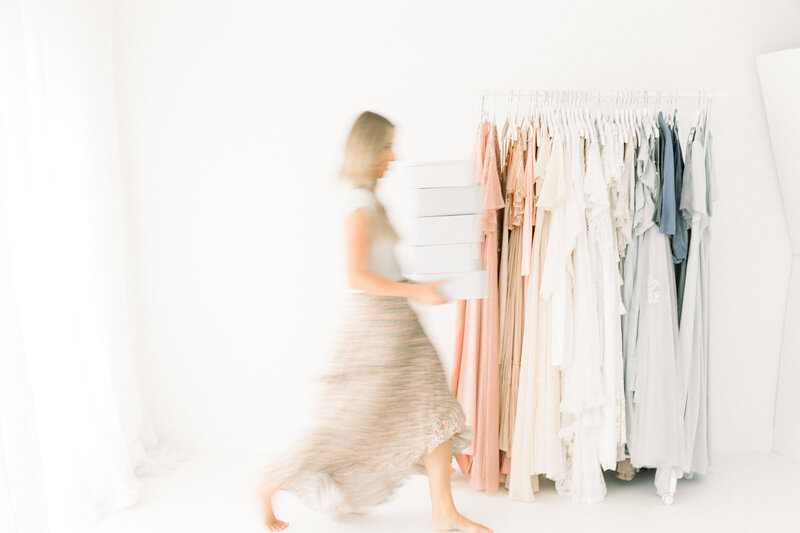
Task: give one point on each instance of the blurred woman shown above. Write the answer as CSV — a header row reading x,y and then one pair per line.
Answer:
x,y
385,411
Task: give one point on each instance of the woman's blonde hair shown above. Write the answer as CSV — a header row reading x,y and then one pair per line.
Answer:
x,y
364,147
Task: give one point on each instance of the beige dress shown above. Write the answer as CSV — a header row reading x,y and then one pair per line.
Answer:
x,y
511,303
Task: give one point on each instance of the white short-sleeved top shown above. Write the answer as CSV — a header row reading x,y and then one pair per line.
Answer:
x,y
381,258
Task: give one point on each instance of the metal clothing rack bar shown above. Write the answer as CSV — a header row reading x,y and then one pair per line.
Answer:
x,y
640,93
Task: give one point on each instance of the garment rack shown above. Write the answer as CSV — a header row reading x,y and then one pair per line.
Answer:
x,y
638,93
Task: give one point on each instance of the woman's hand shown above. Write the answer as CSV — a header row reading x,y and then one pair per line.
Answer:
x,y
427,294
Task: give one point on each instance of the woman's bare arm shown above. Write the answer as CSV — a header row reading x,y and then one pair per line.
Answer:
x,y
360,278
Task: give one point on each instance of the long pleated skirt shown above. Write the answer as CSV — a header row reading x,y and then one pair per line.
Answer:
x,y
384,403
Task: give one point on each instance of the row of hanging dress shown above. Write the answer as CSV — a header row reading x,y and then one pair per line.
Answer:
x,y
651,325
596,239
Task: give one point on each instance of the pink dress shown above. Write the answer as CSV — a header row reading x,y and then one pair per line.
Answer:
x,y
476,377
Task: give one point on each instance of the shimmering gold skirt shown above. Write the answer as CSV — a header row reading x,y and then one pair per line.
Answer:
x,y
384,404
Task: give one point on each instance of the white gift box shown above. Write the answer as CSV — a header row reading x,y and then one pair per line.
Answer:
x,y
454,229
441,258
437,174
459,286
442,201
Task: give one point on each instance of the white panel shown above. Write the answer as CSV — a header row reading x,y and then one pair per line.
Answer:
x,y
447,201
787,409
454,229
441,258
459,286
780,85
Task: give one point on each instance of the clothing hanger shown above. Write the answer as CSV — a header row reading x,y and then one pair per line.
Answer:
x,y
558,115
530,123
657,105
512,115
641,117
675,113
706,109
604,117
582,109
699,113
639,121
672,109
651,116
571,116
621,119
558,122
563,114
595,124
628,112
601,119
536,117
504,131
530,108
547,114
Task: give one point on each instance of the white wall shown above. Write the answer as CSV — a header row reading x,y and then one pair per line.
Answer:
x,y
780,84
232,120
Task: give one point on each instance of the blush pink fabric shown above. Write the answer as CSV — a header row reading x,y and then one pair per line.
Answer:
x,y
476,380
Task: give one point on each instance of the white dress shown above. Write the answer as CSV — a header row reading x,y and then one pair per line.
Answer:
x,y
604,252
699,193
655,439
582,394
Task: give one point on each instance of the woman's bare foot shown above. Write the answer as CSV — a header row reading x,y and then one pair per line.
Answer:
x,y
625,470
270,521
455,522
275,524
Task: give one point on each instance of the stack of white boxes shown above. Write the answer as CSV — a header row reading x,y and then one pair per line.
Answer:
x,y
442,239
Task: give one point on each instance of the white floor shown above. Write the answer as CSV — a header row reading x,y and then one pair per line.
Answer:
x,y
745,492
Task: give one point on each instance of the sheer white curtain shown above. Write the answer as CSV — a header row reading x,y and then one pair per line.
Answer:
x,y
72,429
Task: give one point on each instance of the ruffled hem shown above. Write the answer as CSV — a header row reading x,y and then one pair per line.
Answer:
x,y
319,491
447,426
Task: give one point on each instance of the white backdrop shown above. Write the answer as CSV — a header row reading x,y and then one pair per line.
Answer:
x,y
780,83
232,119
